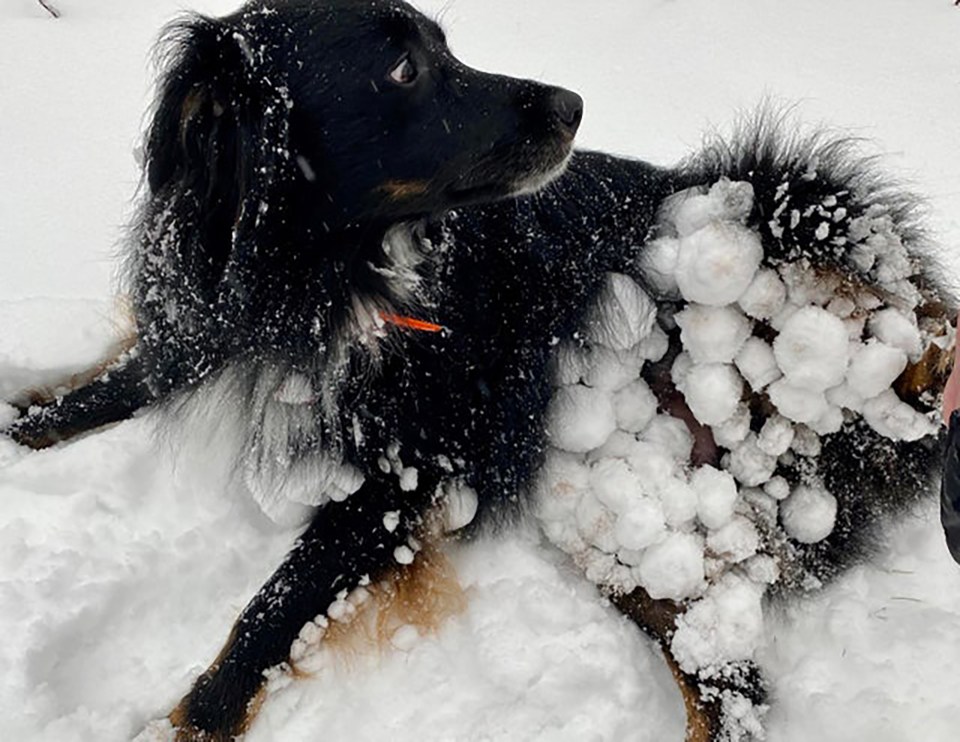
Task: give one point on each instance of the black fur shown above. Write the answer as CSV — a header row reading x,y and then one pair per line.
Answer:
x,y
295,194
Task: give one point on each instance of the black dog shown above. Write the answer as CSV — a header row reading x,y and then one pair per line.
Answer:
x,y
337,241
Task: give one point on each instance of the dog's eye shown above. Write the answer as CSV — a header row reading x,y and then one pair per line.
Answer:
x,y
404,72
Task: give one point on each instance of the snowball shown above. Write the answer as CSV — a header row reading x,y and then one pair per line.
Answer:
x,y
403,555
776,435
727,200
460,504
736,541
654,464
580,418
712,334
713,391
812,349
672,434
809,514
807,286
409,478
680,370
749,464
690,211
641,524
634,405
717,263
735,197
608,369
658,263
897,420
716,495
846,397
764,296
619,445
777,488
757,364
734,429
726,625
623,315
829,422
615,484
595,523
805,442
899,330
679,502
799,405
391,520
762,569
673,569
874,367
655,346
570,363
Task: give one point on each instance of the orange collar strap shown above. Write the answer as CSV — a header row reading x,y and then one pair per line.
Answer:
x,y
410,323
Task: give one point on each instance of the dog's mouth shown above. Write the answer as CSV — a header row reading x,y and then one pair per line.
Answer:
x,y
511,171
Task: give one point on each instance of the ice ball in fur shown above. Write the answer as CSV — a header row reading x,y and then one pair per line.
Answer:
x,y
716,264
812,349
809,514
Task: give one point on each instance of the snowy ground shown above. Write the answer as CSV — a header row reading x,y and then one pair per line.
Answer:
x,y
122,568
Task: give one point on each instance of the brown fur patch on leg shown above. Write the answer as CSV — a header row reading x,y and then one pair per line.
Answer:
x,y
422,595
928,375
658,619
701,723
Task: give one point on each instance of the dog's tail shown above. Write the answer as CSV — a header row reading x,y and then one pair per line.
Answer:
x,y
816,195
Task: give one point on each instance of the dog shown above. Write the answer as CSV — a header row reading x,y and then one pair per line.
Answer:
x,y
372,254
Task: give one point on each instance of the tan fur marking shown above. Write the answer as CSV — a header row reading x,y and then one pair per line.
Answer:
x,y
398,190
658,619
700,722
191,107
423,595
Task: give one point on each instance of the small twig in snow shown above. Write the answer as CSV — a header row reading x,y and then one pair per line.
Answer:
x,y
49,8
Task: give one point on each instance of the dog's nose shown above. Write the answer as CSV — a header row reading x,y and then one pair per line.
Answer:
x,y
567,107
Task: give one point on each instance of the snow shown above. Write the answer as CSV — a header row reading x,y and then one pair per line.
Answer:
x,y
812,349
673,569
712,391
808,514
123,568
724,626
580,418
764,296
895,328
624,314
712,334
717,263
874,367
716,495
758,364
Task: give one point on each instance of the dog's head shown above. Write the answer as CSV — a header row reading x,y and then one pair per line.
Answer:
x,y
357,110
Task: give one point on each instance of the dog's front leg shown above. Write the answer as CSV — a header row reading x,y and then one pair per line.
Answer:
x,y
112,395
346,544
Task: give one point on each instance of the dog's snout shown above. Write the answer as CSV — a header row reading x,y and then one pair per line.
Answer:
x,y
567,108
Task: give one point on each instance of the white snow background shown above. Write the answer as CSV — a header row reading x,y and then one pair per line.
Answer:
x,y
122,568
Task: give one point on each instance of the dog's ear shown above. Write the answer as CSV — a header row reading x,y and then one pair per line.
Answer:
x,y
219,135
